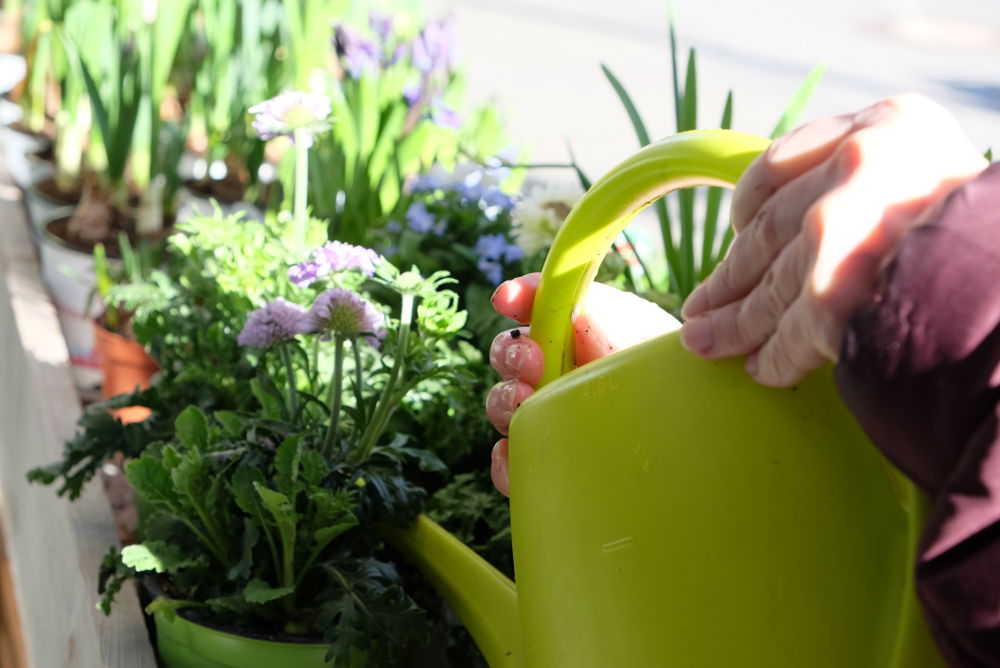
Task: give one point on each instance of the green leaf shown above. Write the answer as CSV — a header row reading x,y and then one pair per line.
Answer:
x,y
258,591
314,467
155,555
191,478
141,558
633,114
251,533
152,480
230,422
191,428
323,536
244,482
286,461
799,101
168,607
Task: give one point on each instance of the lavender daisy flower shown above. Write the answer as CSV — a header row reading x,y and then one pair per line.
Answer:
x,y
341,311
275,322
419,219
332,257
291,111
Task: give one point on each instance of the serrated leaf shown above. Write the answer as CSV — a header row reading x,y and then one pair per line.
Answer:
x,y
284,515
251,533
231,423
258,591
314,467
191,428
141,558
159,556
191,478
152,480
286,461
244,492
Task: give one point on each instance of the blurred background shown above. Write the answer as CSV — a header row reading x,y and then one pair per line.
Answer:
x,y
540,60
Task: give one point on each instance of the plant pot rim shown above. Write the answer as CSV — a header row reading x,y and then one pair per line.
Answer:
x,y
191,616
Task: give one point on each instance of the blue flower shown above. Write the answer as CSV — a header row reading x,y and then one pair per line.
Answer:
x,y
425,183
492,269
491,246
512,253
419,219
497,197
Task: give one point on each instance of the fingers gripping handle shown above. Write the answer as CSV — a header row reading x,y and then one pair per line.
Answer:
x,y
695,158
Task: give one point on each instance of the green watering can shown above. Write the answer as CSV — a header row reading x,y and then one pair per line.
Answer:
x,y
667,510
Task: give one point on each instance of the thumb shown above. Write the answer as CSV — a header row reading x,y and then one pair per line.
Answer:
x,y
609,320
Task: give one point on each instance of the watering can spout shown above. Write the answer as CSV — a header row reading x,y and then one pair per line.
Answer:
x,y
482,597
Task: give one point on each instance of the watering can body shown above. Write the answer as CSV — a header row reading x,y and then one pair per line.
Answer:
x,y
667,510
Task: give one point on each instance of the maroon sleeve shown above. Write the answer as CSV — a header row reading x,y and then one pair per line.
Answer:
x,y
920,369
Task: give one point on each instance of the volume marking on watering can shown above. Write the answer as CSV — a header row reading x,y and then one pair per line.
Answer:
x,y
616,545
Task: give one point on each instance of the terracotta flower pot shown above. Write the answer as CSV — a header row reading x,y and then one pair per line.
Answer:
x,y
125,366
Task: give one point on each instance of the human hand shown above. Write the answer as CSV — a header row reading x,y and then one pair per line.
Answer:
x,y
817,215
608,320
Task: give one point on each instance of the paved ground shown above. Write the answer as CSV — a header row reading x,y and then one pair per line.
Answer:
x,y
540,60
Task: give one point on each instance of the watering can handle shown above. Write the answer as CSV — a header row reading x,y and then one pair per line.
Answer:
x,y
695,158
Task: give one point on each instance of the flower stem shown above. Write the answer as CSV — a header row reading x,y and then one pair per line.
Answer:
x,y
293,393
335,394
385,401
301,187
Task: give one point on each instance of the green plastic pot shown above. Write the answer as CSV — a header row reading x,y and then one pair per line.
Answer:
x,y
667,510
182,643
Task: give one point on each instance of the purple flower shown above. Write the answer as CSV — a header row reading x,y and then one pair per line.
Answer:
x,y
276,321
341,311
380,24
419,219
332,257
412,94
360,55
444,116
291,111
434,47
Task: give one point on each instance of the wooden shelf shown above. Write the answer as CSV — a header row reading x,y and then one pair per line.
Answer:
x,y
53,546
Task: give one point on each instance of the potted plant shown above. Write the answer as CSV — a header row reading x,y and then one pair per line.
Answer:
x,y
126,367
269,519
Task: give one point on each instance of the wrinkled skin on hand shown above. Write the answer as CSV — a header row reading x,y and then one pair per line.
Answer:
x,y
817,216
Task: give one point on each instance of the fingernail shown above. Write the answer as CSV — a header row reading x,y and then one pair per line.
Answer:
x,y
751,365
696,303
697,335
